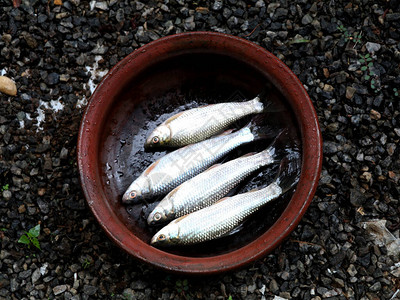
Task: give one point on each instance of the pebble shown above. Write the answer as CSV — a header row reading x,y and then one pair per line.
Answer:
x,y
89,289
7,86
36,276
59,289
217,6
53,79
307,19
372,47
350,91
7,194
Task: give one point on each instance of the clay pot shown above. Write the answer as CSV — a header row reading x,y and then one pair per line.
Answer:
x,y
150,82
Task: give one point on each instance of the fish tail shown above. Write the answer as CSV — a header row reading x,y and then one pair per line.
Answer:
x,y
289,170
259,130
265,104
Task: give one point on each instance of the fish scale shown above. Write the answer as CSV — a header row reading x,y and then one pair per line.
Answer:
x,y
209,186
216,220
180,165
197,124
208,121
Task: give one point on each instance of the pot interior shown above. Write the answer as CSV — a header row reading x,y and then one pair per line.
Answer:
x,y
170,86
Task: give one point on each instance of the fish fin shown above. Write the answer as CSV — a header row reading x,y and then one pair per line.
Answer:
x,y
179,219
226,132
151,167
248,154
267,104
234,230
279,147
260,130
222,199
289,171
173,191
174,117
212,167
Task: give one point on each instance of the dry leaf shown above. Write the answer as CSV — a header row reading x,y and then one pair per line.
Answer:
x,y
57,2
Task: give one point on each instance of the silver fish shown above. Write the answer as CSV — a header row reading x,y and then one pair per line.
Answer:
x,y
197,124
208,187
224,216
180,165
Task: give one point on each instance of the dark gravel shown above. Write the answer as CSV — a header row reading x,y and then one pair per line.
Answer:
x,y
53,53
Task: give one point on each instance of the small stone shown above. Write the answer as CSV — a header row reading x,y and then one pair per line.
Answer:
x,y
41,191
357,198
139,5
7,195
128,294
25,274
372,47
100,49
273,286
328,88
139,285
350,91
22,209
243,291
7,86
396,272
326,72
330,147
189,23
102,5
217,5
53,79
89,289
272,7
352,270
36,276
64,77
366,176
375,287
307,19
14,285
62,15
59,289
281,12
391,147
393,17
374,114
31,41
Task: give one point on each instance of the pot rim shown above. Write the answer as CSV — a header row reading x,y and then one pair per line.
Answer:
x,y
283,79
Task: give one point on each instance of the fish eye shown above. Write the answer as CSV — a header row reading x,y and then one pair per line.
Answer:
x,y
157,216
161,237
132,195
155,139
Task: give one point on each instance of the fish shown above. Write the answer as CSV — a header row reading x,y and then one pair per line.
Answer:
x,y
197,124
223,217
176,167
208,187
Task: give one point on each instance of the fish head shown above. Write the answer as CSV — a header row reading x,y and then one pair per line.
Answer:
x,y
167,236
159,137
162,212
136,192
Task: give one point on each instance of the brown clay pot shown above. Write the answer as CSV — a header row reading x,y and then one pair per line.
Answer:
x,y
110,145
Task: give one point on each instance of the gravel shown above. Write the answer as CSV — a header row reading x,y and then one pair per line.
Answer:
x,y
56,54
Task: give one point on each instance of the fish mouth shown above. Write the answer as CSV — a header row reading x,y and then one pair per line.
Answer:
x,y
154,240
125,199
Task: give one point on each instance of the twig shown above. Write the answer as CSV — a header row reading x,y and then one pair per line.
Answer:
x,y
247,35
307,243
